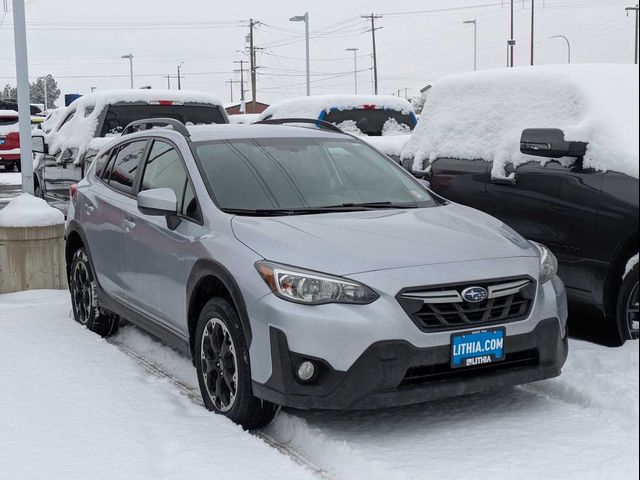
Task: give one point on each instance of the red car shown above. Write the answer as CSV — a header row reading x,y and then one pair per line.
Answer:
x,y
9,140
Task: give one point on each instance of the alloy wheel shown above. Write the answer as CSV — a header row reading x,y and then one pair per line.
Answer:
x,y
82,292
633,318
219,364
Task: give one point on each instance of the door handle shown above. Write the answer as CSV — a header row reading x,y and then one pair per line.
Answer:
x,y
511,181
128,225
88,209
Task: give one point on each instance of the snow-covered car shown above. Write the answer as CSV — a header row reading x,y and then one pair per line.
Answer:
x,y
9,140
383,121
62,155
553,152
301,267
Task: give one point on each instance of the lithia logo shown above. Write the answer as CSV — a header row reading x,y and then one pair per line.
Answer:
x,y
475,294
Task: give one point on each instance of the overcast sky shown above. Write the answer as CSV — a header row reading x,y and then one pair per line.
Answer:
x,y
80,41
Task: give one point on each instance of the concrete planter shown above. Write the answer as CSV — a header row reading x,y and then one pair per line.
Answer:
x,y
32,258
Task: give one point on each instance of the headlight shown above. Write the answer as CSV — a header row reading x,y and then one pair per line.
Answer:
x,y
548,263
312,288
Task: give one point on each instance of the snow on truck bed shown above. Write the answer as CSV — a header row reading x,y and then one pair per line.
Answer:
x,y
481,115
78,132
73,406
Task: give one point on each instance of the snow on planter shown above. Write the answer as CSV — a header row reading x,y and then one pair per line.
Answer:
x,y
481,115
28,211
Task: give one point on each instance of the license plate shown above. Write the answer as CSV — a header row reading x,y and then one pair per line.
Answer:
x,y
478,347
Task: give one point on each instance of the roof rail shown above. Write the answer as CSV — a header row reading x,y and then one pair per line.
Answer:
x,y
318,123
147,123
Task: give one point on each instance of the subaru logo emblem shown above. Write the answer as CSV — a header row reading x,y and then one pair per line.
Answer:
x,y
475,294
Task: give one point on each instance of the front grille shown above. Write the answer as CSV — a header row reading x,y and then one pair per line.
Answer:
x,y
421,375
443,307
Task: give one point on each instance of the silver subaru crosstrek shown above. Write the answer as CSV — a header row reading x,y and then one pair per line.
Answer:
x,y
298,266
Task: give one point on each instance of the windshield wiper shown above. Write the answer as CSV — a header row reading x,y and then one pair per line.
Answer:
x,y
272,212
368,205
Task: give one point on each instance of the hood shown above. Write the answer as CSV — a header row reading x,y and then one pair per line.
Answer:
x,y
356,242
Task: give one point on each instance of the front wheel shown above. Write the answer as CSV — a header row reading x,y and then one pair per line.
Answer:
x,y
627,307
84,300
222,364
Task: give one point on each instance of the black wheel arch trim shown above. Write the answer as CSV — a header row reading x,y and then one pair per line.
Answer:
x,y
208,267
625,250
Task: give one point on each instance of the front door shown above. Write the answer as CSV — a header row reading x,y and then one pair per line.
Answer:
x,y
556,206
155,256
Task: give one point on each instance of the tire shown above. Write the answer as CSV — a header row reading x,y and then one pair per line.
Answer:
x,y
627,307
18,167
84,300
221,352
37,192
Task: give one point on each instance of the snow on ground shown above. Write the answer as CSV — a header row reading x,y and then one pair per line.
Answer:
x,y
10,178
481,115
73,406
28,211
582,425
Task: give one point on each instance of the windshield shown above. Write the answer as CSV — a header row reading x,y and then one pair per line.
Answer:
x,y
119,116
305,175
371,121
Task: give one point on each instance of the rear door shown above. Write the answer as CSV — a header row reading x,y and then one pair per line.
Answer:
x,y
155,256
461,181
103,215
556,206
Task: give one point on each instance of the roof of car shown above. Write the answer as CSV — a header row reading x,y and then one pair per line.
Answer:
x,y
202,133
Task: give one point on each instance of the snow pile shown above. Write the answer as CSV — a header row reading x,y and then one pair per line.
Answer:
x,y
481,115
633,261
392,127
28,211
243,118
78,132
90,411
391,145
314,105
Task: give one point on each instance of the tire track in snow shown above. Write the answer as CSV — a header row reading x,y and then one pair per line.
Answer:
x,y
196,398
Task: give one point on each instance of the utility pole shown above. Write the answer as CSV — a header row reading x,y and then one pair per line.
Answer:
x,y
179,66
406,93
533,3
305,18
243,107
373,18
24,109
168,77
634,9
252,62
230,83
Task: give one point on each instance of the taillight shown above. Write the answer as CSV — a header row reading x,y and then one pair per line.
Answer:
x,y
12,140
73,189
369,107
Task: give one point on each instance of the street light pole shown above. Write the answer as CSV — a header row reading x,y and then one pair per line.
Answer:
x,y
305,18
130,57
568,45
179,84
475,42
355,68
24,109
634,9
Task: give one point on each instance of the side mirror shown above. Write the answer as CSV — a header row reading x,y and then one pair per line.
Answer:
x,y
550,143
160,202
39,145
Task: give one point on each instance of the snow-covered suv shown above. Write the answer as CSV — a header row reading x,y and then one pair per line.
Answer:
x,y
62,155
300,267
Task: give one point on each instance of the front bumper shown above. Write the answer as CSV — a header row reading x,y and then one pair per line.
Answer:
x,y
394,372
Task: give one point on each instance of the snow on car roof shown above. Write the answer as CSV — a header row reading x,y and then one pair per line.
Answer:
x,y
78,132
312,106
481,115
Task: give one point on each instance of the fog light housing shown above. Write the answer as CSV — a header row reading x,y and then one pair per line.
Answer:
x,y
306,371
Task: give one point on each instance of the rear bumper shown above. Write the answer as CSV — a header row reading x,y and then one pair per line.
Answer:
x,y
9,157
394,373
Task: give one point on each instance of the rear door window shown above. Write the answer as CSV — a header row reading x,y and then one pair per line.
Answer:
x,y
125,166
